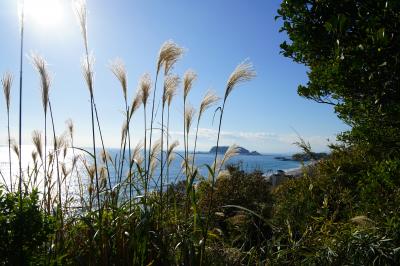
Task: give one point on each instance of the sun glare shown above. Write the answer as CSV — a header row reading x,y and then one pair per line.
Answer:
x,y
46,13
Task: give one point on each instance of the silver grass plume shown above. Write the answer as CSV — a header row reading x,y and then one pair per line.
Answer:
x,y
34,156
118,69
37,142
155,151
136,102
242,73
171,148
14,147
136,151
104,155
40,65
60,142
189,114
124,130
6,81
87,63
232,151
81,15
188,79
209,100
70,127
171,84
170,95
144,87
168,55
223,174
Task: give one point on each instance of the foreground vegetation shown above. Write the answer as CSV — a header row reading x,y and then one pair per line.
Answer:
x,y
344,210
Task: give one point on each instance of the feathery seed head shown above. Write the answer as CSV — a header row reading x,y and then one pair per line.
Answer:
x,y
223,174
155,151
87,63
169,54
6,81
171,84
209,100
144,87
136,151
232,151
70,126
189,114
136,102
188,79
104,155
81,15
14,147
37,141
242,73
124,131
34,156
40,65
118,69
170,150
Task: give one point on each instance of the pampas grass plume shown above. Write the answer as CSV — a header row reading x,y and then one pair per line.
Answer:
x,y
242,73
6,81
118,69
188,79
168,55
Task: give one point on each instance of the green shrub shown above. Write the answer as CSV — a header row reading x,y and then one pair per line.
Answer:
x,y
23,232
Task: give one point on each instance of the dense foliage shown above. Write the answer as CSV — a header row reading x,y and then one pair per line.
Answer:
x,y
24,229
352,50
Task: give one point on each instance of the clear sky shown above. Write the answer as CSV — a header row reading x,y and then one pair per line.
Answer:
x,y
217,35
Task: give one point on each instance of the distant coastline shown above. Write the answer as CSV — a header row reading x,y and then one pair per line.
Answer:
x,y
223,149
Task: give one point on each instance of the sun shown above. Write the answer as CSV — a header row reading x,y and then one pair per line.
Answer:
x,y
45,13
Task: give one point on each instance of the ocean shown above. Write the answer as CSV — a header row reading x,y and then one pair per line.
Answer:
x,y
267,163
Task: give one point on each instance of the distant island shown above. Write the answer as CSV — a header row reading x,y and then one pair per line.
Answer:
x,y
303,157
241,150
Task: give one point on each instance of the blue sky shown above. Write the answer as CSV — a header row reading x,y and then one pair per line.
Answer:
x,y
217,35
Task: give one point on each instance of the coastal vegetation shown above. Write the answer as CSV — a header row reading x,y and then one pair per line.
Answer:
x,y
343,210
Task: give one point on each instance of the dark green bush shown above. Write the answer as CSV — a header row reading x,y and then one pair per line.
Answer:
x,y
23,231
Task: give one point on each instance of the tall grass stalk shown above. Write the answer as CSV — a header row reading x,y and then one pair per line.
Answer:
x,y
242,73
40,66
119,70
169,54
210,99
144,90
6,81
171,82
22,24
87,65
